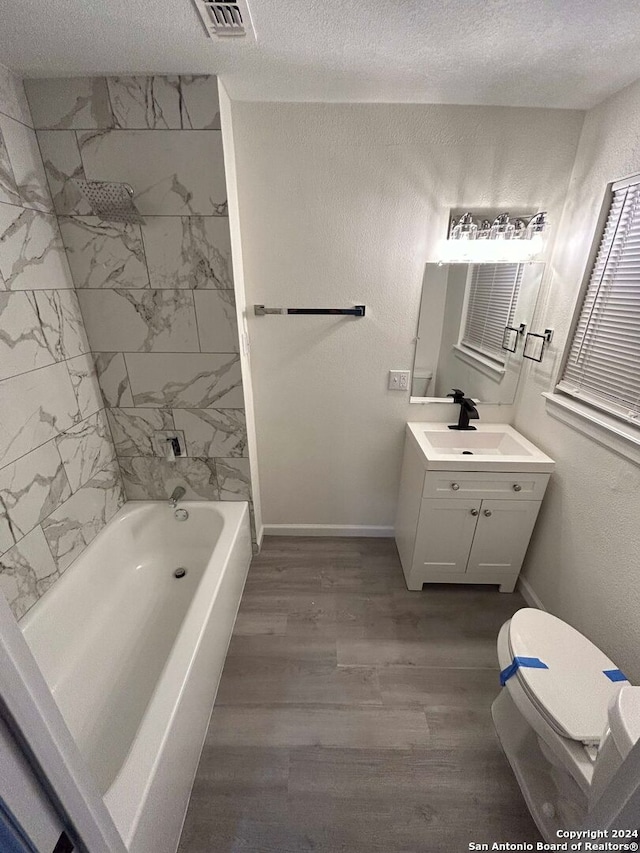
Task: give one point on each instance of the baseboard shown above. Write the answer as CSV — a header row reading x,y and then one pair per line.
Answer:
x,y
526,590
326,530
260,537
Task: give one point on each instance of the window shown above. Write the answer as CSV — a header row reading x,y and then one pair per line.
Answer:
x,y
491,303
602,365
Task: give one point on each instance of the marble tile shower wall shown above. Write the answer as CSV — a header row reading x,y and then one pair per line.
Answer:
x,y
157,298
59,478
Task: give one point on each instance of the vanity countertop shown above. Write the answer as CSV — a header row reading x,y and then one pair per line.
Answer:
x,y
490,447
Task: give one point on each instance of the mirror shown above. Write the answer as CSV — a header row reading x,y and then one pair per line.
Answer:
x,y
471,329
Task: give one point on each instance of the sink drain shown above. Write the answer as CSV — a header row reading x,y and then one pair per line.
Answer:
x,y
179,572
467,452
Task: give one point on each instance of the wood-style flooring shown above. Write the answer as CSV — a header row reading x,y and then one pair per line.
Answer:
x,y
353,716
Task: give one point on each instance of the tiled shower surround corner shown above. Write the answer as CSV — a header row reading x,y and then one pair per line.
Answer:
x,y
59,478
147,311
157,299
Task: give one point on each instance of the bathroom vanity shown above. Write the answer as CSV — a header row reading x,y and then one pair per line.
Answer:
x,y
468,504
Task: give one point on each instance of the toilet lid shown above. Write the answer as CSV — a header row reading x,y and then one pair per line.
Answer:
x,y
574,692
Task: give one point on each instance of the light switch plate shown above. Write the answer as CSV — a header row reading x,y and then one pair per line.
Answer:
x,y
399,380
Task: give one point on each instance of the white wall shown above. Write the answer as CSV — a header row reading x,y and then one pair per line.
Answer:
x,y
226,124
584,561
342,204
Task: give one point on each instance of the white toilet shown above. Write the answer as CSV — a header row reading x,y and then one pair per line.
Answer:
x,y
422,377
566,717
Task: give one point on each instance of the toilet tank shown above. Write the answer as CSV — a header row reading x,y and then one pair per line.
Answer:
x,y
422,377
620,736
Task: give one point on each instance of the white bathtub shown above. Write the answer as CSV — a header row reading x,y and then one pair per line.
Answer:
x,y
133,655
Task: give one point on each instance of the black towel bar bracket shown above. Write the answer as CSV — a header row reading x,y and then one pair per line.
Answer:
x,y
356,311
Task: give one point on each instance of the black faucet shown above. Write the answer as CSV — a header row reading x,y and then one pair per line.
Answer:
x,y
468,410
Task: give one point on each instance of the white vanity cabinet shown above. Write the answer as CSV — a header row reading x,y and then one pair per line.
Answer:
x,y
457,526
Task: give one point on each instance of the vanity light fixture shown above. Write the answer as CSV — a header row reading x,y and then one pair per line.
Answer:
x,y
465,228
478,240
537,224
519,229
484,230
502,228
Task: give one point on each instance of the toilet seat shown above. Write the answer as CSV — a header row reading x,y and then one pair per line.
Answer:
x,y
567,728
573,693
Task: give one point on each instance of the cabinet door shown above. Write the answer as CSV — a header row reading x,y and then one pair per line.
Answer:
x,y
445,533
502,535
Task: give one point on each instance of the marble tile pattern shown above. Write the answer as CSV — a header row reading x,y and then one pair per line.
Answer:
x,y
61,322
113,378
86,449
34,408
147,103
185,380
171,172
62,164
157,298
27,571
8,187
188,251
134,103
84,379
217,320
57,462
133,430
30,490
199,106
71,102
23,345
104,254
32,256
13,100
38,328
152,478
234,479
26,164
140,320
213,432
75,524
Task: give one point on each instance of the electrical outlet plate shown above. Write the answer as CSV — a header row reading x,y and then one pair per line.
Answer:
x,y
399,380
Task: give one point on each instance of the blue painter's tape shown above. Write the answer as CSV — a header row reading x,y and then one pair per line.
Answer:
x,y
615,675
516,663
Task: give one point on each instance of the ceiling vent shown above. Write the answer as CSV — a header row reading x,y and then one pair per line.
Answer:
x,y
229,18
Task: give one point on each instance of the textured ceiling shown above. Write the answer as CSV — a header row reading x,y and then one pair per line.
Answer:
x,y
547,53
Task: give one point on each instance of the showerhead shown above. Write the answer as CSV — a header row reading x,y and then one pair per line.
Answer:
x,y
111,201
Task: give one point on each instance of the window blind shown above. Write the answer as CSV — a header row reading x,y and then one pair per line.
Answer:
x,y
493,296
603,361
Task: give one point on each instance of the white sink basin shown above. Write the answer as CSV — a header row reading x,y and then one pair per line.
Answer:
x,y
491,447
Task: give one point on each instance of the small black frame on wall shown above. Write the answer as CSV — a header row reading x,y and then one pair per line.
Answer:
x,y
534,344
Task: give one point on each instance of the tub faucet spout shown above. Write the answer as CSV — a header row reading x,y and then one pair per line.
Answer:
x,y
176,495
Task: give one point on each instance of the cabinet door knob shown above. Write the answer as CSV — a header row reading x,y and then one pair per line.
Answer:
x,y
474,512
455,486
487,512
517,487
